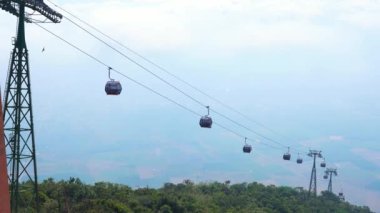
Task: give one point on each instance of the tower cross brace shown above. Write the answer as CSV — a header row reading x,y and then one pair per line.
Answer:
x,y
313,178
18,114
329,173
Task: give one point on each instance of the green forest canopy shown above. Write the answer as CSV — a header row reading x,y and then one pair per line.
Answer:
x,y
74,196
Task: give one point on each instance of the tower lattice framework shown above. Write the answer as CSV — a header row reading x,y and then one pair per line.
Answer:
x,y
18,123
313,178
18,114
330,172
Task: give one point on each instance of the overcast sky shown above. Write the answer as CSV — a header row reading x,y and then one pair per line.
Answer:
x,y
306,69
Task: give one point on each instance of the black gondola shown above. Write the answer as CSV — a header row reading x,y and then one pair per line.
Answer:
x,y
206,121
323,164
247,148
287,155
112,87
325,176
340,193
299,159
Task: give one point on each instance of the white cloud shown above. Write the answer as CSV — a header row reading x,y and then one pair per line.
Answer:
x,y
223,24
336,138
363,19
361,13
218,26
321,141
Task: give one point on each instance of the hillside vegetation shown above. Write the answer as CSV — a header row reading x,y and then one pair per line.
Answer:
x,y
74,196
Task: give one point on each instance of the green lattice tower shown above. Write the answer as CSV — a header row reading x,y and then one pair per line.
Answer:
x,y
329,188
18,123
330,172
18,113
313,178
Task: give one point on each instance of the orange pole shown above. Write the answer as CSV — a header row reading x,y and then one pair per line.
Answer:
x,y
5,204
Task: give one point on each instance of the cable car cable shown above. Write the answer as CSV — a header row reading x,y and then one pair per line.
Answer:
x,y
168,72
233,121
141,84
116,71
159,77
138,64
171,85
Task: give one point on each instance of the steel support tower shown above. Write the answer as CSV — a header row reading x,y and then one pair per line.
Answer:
x,y
18,114
313,178
330,172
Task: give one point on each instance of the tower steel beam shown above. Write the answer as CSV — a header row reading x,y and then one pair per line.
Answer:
x,y
18,114
329,188
18,123
12,7
329,173
313,178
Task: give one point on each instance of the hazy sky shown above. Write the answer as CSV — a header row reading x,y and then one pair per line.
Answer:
x,y
306,69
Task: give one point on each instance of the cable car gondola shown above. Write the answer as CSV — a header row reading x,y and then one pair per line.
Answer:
x,y
323,163
206,121
112,87
325,176
299,159
287,155
247,148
